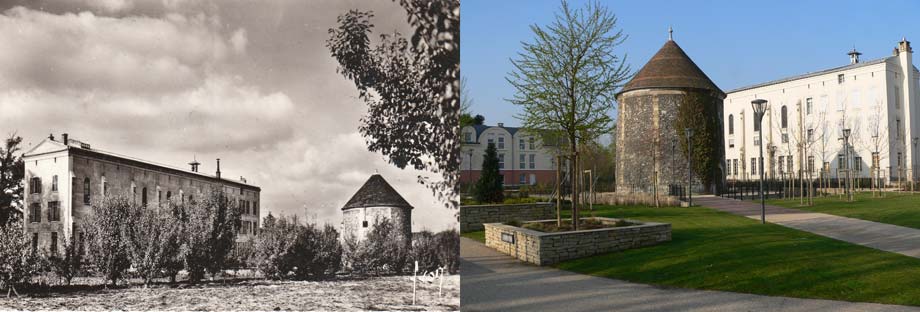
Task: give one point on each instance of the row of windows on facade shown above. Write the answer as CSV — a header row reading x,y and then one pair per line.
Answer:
x,y
809,135
733,170
784,119
522,161
529,144
35,187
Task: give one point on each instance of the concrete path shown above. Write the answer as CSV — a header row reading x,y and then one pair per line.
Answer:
x,y
882,236
491,281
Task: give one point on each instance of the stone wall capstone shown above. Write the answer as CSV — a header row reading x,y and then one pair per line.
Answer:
x,y
542,248
472,217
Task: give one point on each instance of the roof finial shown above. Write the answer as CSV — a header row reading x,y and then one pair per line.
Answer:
x,y
670,33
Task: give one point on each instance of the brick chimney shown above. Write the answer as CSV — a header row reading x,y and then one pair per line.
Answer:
x,y
66,141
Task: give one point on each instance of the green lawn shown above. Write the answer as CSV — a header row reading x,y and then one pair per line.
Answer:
x,y
718,251
479,236
895,208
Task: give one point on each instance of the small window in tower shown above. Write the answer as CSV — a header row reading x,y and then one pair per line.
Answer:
x,y
364,223
840,78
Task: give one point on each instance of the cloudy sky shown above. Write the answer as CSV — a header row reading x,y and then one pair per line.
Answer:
x,y
249,82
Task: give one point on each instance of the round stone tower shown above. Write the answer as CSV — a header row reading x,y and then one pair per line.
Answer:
x,y
649,148
376,199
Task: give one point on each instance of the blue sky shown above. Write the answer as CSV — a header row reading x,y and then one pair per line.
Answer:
x,y
736,43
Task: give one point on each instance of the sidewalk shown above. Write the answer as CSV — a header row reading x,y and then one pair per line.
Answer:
x,y
491,281
882,236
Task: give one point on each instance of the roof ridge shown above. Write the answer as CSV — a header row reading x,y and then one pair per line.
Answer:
x,y
812,74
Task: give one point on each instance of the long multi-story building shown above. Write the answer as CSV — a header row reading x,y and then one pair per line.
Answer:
x,y
523,158
803,127
63,177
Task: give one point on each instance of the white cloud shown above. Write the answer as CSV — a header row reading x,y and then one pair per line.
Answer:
x,y
239,40
87,52
170,85
111,6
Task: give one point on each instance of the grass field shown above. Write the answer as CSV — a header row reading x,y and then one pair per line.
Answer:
x,y
895,208
479,236
382,293
718,251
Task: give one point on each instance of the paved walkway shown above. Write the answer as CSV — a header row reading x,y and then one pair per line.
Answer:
x,y
491,281
882,236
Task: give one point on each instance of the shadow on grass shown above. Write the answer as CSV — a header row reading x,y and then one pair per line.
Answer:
x,y
719,251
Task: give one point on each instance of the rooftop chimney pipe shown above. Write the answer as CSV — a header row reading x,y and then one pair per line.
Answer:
x,y
218,168
65,138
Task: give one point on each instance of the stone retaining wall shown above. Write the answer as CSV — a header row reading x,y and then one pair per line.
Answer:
x,y
620,198
542,248
472,217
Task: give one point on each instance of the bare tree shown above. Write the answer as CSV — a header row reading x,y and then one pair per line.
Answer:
x,y
567,78
876,142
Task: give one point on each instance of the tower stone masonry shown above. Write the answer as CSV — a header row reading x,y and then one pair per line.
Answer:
x,y
648,141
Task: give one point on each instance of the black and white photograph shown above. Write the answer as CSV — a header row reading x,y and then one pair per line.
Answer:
x,y
230,155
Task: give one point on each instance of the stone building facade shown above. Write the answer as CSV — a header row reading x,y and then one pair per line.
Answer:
x,y
648,151
376,199
64,177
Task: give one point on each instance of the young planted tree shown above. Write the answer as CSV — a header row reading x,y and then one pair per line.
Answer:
x,y
489,188
211,232
106,240
68,264
566,79
12,172
274,246
877,129
152,240
411,87
18,262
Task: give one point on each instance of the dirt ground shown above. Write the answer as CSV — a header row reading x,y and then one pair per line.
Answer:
x,y
381,293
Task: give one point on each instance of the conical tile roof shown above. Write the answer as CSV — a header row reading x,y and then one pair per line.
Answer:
x,y
671,68
376,192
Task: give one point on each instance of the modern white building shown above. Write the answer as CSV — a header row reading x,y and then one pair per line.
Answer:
x,y
876,100
523,158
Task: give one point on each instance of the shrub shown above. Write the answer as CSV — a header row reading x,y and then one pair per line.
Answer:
x,y
328,255
448,247
17,261
425,251
383,252
285,248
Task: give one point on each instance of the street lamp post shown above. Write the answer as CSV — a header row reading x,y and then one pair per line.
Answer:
x,y
760,106
689,132
846,154
470,175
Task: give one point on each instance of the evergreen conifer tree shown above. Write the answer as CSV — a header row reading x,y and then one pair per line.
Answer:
x,y
489,188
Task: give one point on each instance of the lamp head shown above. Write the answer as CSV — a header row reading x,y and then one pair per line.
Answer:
x,y
688,132
846,133
759,105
